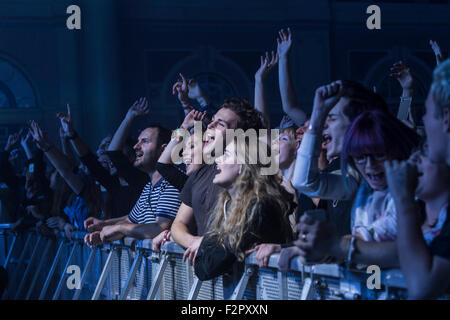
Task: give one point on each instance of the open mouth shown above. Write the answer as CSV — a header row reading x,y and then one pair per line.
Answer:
x,y
377,178
139,154
326,139
209,138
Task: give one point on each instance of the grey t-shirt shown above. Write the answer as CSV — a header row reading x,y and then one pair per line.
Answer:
x,y
201,194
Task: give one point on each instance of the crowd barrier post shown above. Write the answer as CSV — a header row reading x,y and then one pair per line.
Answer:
x,y
38,269
238,292
49,277
86,270
10,251
195,289
20,261
64,273
159,276
105,272
29,266
132,274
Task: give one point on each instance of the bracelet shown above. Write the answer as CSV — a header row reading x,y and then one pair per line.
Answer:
x,y
405,99
351,250
166,236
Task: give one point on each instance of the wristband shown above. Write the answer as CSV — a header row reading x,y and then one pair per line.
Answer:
x,y
405,99
166,236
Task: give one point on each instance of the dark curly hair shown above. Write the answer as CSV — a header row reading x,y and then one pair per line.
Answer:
x,y
249,117
361,99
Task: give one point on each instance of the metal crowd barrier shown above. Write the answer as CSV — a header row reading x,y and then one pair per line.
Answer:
x,y
46,268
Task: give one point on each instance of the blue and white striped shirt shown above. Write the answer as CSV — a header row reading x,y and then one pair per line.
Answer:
x,y
160,200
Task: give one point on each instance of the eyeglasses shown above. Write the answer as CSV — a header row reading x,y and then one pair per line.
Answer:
x,y
374,157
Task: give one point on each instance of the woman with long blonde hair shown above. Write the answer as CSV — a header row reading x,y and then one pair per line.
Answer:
x,y
253,208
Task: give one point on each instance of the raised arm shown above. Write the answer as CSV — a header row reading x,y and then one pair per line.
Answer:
x,y
57,158
267,64
288,96
307,178
437,52
426,275
139,108
403,74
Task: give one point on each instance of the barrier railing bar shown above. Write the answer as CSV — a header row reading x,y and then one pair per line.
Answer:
x,y
159,276
16,271
131,275
195,289
52,271
239,291
86,270
38,270
64,273
10,251
28,268
104,274
282,284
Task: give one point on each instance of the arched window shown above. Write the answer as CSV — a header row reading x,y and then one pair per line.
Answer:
x,y
16,90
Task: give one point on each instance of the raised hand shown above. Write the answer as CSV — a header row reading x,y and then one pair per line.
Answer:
x,y
402,73
194,91
13,139
284,43
402,179
39,136
267,64
437,51
326,98
191,117
66,122
139,108
181,89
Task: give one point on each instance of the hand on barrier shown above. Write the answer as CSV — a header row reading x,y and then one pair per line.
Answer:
x,y
92,224
263,253
93,239
111,233
316,239
285,257
156,241
68,229
191,251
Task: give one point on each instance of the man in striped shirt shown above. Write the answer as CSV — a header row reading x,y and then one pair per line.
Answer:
x,y
158,203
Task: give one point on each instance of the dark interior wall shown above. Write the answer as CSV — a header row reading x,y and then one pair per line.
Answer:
x,y
128,49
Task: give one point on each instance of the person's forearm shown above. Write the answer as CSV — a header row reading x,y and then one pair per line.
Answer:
x,y
382,254
181,235
288,97
27,150
120,136
415,258
79,146
64,168
260,99
141,231
166,156
115,221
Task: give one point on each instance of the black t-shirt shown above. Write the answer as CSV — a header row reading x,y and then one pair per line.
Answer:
x,y
201,194
214,259
440,246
